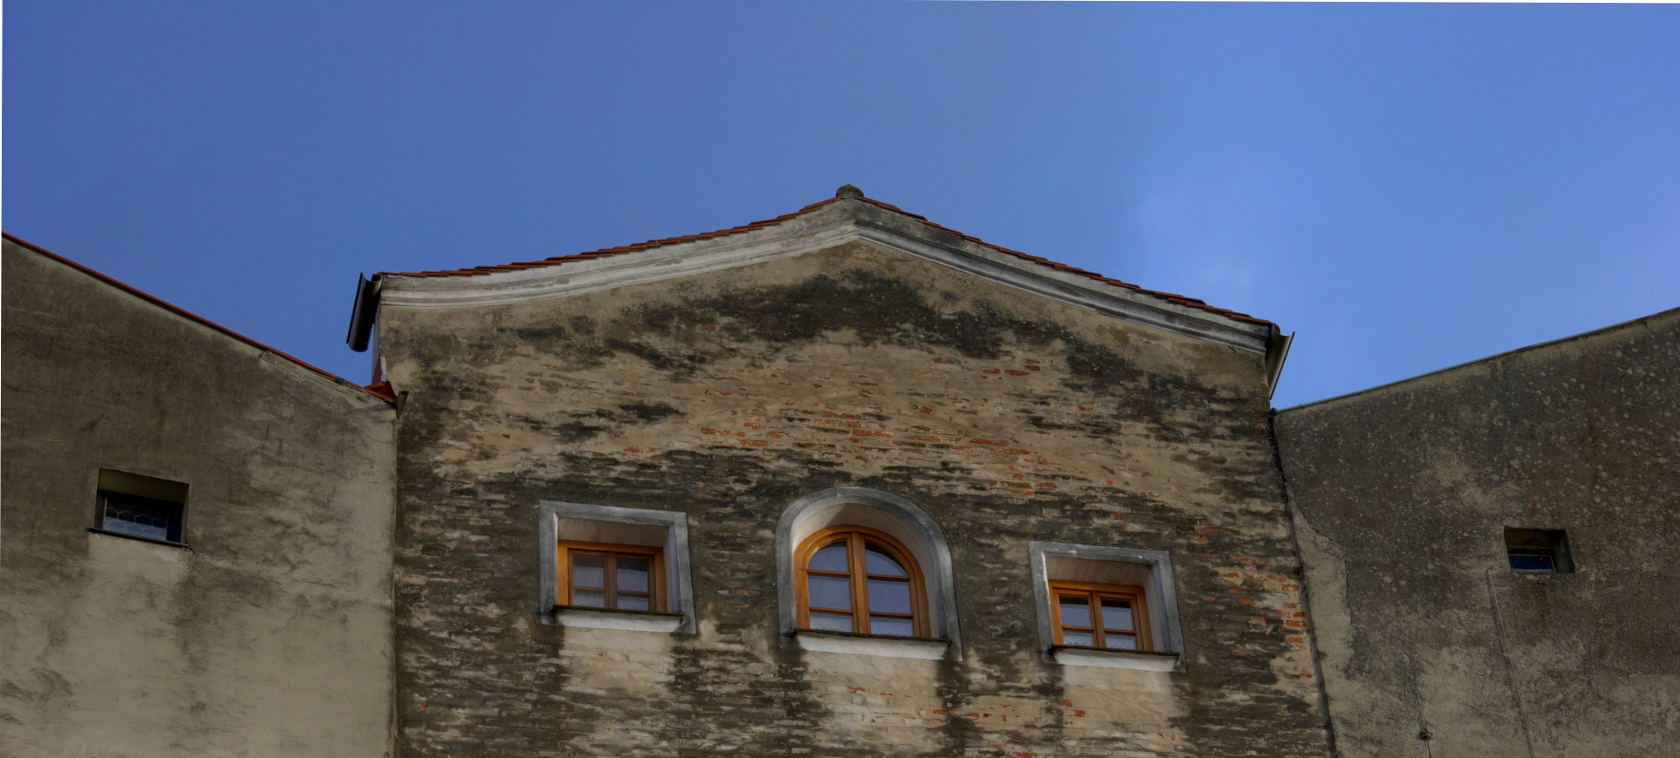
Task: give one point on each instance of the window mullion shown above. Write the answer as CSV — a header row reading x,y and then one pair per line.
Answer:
x,y
1097,637
859,582
610,581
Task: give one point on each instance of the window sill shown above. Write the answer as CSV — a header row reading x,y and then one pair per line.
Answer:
x,y
1142,660
613,618
879,645
109,533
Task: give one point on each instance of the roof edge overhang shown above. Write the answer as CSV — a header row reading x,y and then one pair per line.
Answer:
x,y
821,226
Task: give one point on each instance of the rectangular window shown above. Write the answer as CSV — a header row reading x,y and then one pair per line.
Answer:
x,y
1106,606
609,567
144,507
1108,616
617,577
1538,551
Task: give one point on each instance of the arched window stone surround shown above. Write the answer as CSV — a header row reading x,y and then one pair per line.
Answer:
x,y
861,506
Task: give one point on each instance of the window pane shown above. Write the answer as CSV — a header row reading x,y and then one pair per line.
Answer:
x,y
1076,611
589,571
877,562
632,602
589,599
1117,614
894,627
1542,563
831,592
1077,638
632,574
832,622
888,596
831,558
1121,642
142,517
137,523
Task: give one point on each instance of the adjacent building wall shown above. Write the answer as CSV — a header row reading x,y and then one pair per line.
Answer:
x,y
729,396
270,635
1430,644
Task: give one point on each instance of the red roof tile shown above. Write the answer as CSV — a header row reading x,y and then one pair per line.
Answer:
x,y
650,244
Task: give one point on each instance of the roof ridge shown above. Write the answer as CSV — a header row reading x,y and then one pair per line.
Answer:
x,y
755,225
373,390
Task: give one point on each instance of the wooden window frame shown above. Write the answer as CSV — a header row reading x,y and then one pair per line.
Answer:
x,y
857,538
657,602
1094,595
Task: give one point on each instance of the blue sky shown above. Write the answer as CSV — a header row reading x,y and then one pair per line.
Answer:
x,y
1406,186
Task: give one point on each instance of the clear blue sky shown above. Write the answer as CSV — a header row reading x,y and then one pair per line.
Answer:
x,y
1406,186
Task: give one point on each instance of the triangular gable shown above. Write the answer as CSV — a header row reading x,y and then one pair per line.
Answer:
x,y
847,217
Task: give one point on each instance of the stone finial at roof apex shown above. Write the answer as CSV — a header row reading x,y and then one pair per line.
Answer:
x,y
847,190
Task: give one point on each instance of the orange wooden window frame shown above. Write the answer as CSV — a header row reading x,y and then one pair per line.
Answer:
x,y
857,539
1094,594
656,571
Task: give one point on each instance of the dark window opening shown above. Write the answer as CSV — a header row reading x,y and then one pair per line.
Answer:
x,y
131,505
1538,551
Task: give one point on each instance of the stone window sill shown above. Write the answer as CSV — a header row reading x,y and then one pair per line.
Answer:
x,y
612,618
1143,660
109,533
879,645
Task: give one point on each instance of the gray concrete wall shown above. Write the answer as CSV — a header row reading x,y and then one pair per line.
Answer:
x,y
731,395
1430,645
270,635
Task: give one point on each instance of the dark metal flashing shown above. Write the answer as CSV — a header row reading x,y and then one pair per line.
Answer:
x,y
363,313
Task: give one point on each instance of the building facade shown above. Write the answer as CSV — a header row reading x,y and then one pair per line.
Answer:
x,y
839,483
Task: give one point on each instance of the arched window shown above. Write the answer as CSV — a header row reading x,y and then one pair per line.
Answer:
x,y
856,579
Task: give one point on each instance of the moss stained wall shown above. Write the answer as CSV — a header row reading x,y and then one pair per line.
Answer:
x,y
1431,644
730,395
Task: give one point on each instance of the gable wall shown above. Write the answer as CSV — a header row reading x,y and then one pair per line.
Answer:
x,y
1402,495
732,394
270,634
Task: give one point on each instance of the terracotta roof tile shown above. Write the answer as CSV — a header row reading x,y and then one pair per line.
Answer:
x,y
651,244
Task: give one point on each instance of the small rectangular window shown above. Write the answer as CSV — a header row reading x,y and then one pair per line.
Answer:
x,y
1108,616
618,577
1538,551
131,505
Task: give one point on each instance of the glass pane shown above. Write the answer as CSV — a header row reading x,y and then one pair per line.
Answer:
x,y
123,521
590,599
894,627
879,563
1076,611
888,596
831,558
1121,642
589,571
142,517
632,575
1117,614
1539,563
1077,638
832,622
632,603
831,592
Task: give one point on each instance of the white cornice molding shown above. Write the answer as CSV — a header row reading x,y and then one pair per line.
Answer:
x,y
822,229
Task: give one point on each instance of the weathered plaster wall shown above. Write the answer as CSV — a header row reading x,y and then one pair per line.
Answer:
x,y
730,395
271,636
1401,495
